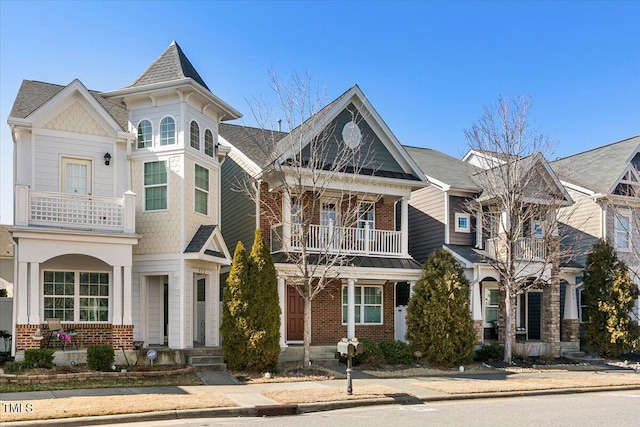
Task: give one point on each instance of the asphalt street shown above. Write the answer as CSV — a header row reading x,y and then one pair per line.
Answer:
x,y
620,409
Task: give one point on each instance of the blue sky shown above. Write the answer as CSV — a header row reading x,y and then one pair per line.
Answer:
x,y
427,67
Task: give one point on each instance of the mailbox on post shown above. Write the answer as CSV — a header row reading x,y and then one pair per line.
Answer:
x,y
349,348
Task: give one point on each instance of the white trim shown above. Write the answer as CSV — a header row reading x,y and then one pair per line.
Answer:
x,y
626,214
578,188
152,135
175,131
361,304
446,218
458,216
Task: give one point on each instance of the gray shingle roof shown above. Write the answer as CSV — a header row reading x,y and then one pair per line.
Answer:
x,y
469,253
253,142
172,64
597,169
200,238
33,95
444,168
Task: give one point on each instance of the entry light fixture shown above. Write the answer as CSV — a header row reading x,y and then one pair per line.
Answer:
x,y
107,158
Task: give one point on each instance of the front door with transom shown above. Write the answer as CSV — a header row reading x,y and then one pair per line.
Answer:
x,y
295,315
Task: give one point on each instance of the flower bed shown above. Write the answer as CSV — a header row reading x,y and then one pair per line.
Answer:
x,y
84,376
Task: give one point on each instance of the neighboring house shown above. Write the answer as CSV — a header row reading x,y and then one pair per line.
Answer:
x,y
605,184
360,300
440,217
6,260
117,209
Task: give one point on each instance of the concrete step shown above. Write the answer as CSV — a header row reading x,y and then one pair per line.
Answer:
x,y
203,360
200,367
573,354
584,358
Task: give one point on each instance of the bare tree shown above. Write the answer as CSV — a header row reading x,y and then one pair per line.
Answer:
x,y
311,162
517,208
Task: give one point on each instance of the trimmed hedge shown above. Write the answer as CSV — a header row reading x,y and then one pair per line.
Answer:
x,y
100,357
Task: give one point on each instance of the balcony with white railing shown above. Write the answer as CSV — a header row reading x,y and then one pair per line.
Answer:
x,y
74,211
526,248
337,240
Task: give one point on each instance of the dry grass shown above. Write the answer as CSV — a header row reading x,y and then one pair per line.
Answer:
x,y
330,394
429,372
111,405
524,384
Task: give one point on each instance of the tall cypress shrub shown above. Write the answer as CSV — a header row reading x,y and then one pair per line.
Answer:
x,y
235,312
265,339
610,295
439,322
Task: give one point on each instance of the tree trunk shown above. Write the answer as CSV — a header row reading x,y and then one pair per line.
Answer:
x,y
509,323
307,325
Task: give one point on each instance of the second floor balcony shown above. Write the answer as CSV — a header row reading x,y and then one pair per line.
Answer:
x,y
526,248
75,211
334,239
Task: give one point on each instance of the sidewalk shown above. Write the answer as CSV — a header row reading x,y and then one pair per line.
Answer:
x,y
251,401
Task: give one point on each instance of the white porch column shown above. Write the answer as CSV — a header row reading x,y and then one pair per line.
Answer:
x,y
351,308
129,212
20,292
570,302
127,296
34,294
21,207
282,298
404,225
210,312
411,285
116,317
286,221
476,306
479,221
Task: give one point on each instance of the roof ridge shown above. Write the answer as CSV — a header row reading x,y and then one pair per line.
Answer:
x,y
595,148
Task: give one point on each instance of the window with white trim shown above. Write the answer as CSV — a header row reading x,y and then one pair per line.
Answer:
x,y
155,186
463,223
366,220
76,296
622,229
208,143
491,304
145,134
167,131
201,190
582,306
368,305
194,135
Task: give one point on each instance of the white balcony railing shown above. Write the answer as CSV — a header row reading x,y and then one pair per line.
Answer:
x,y
526,248
75,211
334,239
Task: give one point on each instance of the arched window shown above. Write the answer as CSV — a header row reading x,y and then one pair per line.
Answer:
x,y
208,143
167,131
195,135
145,134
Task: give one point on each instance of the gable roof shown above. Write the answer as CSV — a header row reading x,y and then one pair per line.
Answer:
x,y
172,64
33,94
526,166
597,169
207,240
251,140
446,169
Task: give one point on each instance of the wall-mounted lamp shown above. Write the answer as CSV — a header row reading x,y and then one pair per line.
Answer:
x,y
107,158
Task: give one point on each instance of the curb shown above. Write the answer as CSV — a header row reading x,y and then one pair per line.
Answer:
x,y
302,408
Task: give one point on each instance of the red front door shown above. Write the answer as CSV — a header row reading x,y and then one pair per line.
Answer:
x,y
295,315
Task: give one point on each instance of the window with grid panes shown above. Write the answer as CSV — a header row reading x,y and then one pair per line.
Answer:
x,y
201,190
155,186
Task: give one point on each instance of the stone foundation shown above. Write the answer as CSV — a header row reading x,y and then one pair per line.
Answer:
x,y
570,330
478,326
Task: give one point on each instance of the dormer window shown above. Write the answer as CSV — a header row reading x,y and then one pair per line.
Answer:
x,y
208,143
167,131
145,134
194,135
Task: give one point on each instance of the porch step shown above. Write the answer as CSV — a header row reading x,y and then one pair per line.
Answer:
x,y
582,357
205,359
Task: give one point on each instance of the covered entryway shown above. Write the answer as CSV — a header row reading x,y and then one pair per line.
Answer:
x,y
295,315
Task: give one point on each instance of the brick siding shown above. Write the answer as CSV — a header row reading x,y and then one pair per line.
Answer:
x,y
326,317
118,336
